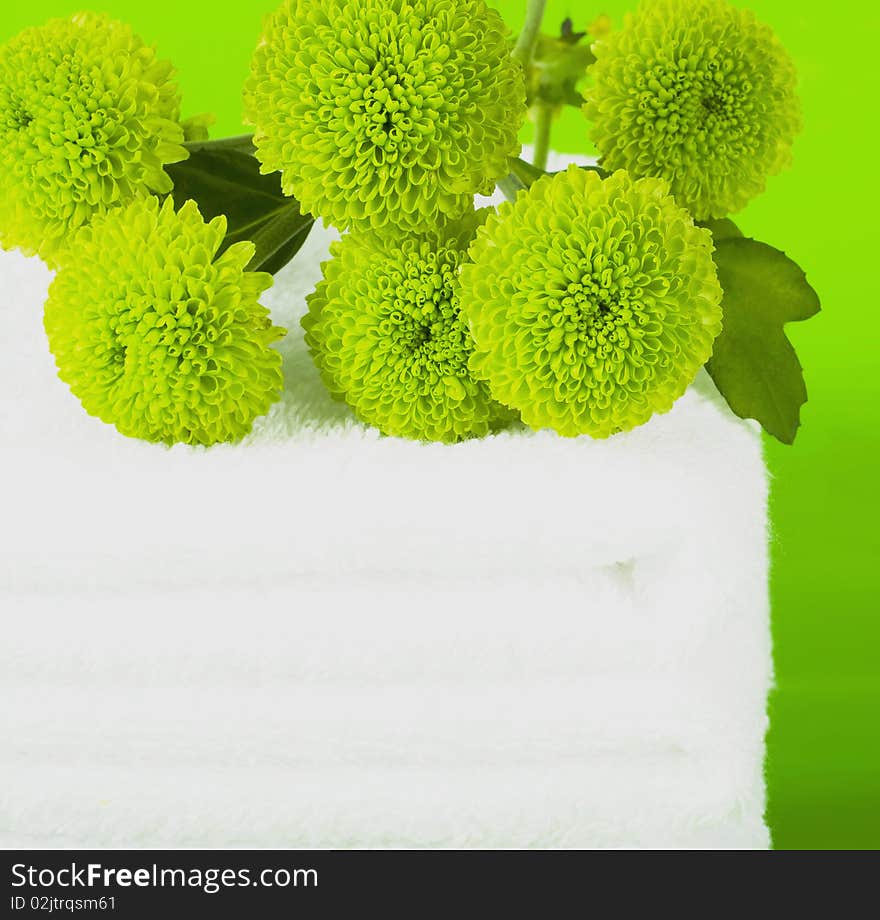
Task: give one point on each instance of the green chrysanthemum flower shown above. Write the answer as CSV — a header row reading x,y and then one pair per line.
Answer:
x,y
385,113
157,334
592,303
88,119
385,329
699,93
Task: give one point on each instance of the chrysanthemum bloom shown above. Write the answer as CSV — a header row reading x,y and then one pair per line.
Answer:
x,y
382,113
385,329
157,334
593,303
88,119
699,93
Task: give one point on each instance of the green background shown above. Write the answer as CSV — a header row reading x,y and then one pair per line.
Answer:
x,y
824,742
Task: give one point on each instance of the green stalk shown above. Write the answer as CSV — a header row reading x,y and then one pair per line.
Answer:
x,y
524,52
525,43
543,123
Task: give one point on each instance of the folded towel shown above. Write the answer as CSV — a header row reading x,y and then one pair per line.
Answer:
x,y
325,637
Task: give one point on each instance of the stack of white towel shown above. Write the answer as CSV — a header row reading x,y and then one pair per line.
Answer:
x,y
327,638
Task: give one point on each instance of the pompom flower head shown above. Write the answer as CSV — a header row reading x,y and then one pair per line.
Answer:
x,y
157,334
699,93
593,303
385,329
385,113
88,119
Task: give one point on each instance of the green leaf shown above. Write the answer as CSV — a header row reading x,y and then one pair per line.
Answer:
x,y
223,178
279,239
558,65
753,364
723,229
243,143
523,173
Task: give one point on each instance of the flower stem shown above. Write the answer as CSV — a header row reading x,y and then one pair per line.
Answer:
x,y
525,43
543,122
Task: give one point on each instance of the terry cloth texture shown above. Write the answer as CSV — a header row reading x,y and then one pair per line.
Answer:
x,y
327,638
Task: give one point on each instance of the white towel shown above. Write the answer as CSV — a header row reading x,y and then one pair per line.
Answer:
x,y
329,638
